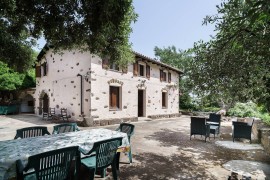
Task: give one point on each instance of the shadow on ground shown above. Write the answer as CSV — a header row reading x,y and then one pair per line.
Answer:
x,y
153,166
29,118
208,150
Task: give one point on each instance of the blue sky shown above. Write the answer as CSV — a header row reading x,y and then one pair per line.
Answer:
x,y
165,23
173,22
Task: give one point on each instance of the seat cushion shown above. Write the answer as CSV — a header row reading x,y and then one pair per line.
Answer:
x,y
89,162
30,177
213,127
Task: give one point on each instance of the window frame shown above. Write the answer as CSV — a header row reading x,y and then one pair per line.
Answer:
x,y
114,67
143,68
164,76
45,69
169,77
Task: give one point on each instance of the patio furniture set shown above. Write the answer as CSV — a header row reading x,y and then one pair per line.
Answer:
x,y
52,115
36,154
206,126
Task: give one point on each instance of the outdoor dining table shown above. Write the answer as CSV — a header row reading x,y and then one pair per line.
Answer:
x,y
12,150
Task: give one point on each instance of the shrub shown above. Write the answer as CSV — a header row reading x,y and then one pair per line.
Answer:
x,y
249,109
210,109
244,110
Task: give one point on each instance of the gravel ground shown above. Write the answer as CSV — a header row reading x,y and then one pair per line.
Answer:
x,y
162,149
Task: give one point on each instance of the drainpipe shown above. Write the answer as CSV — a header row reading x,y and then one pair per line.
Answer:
x,y
81,92
90,77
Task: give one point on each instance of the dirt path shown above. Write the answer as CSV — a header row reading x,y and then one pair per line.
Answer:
x,y
162,150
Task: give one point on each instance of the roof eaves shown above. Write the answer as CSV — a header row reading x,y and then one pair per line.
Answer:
x,y
157,62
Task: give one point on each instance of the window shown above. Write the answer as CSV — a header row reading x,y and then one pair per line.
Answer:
x,y
141,70
148,71
135,69
164,100
114,66
44,69
169,77
38,71
107,65
115,100
163,76
30,103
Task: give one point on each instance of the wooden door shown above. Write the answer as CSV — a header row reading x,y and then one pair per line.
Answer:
x,y
140,103
45,103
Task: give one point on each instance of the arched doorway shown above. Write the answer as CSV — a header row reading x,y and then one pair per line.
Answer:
x,y
45,102
27,104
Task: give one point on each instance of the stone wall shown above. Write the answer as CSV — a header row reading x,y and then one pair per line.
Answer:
x,y
264,135
159,116
105,122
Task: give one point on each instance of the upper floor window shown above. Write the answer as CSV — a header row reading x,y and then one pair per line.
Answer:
x,y
141,70
163,76
38,71
114,66
169,77
45,68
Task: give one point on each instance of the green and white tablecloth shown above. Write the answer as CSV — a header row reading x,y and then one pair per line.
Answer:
x,y
12,150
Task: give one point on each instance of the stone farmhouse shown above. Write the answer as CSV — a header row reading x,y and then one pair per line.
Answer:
x,y
89,86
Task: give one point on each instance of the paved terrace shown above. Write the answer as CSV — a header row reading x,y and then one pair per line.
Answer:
x,y
162,150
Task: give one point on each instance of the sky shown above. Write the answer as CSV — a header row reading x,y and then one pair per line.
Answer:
x,y
164,23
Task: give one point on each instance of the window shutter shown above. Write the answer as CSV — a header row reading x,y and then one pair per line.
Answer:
x,y
169,77
147,71
125,69
135,69
161,75
105,63
47,70
164,76
44,69
38,71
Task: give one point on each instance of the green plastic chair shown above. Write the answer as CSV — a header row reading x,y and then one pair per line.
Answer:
x,y
31,132
129,129
51,165
102,155
66,127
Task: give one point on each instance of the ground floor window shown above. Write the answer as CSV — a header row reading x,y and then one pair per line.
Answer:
x,y
115,98
164,100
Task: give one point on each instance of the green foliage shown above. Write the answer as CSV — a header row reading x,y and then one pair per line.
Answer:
x,y
186,102
244,110
29,79
249,109
103,27
234,65
178,59
210,109
172,56
11,80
